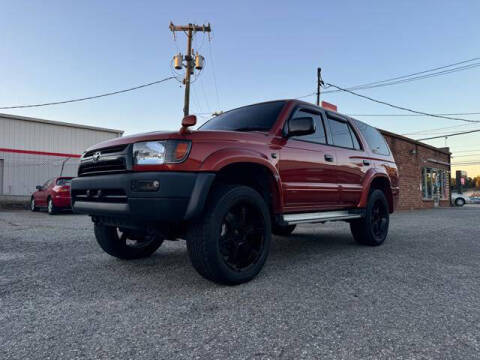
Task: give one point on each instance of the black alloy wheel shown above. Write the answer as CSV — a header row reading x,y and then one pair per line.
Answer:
x,y
372,229
229,243
125,244
379,219
242,237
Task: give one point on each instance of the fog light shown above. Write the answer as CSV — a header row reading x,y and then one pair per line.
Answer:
x,y
145,185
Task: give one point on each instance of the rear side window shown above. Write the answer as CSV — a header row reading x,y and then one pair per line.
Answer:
x,y
343,135
374,139
63,181
319,135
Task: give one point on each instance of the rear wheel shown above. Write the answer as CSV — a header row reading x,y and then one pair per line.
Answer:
x,y
373,228
229,244
285,230
51,207
459,202
124,244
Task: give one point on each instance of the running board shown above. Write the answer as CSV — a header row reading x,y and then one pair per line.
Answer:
x,y
323,216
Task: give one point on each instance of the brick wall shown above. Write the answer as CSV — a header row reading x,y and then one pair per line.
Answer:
x,y
411,157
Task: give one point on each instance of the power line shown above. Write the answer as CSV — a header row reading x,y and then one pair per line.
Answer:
x,y
213,72
449,135
401,107
408,77
457,156
415,76
429,131
466,163
88,97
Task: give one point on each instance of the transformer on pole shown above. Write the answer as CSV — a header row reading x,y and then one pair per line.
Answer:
x,y
191,62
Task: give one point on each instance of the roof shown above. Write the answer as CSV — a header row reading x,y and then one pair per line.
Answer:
x,y
412,141
60,123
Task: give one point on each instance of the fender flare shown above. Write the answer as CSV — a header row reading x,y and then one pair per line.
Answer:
x,y
218,160
371,175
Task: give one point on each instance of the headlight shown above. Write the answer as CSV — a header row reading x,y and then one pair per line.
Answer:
x,y
160,152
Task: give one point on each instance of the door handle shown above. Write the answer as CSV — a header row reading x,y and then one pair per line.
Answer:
x,y
366,162
328,157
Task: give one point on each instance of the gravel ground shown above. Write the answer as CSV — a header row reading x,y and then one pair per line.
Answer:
x,y
319,296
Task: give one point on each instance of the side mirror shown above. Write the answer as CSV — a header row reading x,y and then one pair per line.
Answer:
x,y
300,126
187,121
39,187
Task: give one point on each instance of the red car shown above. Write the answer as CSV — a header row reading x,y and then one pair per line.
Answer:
x,y
229,185
54,195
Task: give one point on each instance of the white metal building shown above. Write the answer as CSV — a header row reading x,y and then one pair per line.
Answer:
x,y
33,151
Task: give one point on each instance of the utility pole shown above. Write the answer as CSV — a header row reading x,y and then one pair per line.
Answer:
x,y
319,84
189,65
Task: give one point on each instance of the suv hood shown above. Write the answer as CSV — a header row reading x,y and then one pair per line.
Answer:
x,y
206,135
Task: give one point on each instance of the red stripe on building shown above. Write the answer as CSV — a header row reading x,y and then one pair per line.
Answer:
x,y
33,152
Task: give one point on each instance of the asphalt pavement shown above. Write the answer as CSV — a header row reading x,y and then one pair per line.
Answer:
x,y
320,295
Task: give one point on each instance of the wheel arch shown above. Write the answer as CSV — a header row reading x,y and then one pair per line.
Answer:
x,y
381,182
256,174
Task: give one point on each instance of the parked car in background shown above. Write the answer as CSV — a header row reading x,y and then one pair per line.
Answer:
x,y
54,195
460,199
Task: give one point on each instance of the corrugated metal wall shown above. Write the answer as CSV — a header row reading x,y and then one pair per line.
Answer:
x,y
29,135
22,172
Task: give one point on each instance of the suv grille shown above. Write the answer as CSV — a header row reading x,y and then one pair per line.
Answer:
x,y
104,161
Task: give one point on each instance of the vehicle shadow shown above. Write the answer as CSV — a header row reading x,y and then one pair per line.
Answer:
x,y
170,266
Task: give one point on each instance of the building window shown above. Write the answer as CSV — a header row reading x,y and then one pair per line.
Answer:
x,y
434,182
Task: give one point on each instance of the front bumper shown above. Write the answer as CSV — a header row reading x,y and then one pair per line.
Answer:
x,y
180,196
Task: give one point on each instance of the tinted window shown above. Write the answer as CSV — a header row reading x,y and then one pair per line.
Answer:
x,y
319,135
340,133
374,139
356,143
64,181
259,117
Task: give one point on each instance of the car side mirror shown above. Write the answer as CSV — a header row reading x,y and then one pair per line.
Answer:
x,y
300,126
39,187
187,121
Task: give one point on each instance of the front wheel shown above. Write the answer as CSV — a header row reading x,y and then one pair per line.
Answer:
x,y
124,244
373,228
229,244
33,206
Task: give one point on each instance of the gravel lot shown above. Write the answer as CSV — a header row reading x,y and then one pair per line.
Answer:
x,y
319,296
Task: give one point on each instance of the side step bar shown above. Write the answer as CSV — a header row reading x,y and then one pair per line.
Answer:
x,y
323,216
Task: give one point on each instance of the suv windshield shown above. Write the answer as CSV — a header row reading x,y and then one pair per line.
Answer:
x,y
258,117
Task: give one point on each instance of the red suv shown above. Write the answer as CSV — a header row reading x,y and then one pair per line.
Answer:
x,y
54,195
243,175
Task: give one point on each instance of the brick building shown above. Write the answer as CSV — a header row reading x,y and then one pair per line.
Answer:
x,y
424,172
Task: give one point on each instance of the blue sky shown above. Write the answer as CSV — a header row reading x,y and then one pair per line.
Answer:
x,y
260,50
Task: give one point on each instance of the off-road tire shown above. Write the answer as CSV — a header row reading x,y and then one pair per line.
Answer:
x,y
109,240
364,229
286,230
205,233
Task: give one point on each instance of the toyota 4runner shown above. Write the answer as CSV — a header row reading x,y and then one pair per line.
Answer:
x,y
229,185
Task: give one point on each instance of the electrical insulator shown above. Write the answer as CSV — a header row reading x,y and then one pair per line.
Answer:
x,y
178,61
199,62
